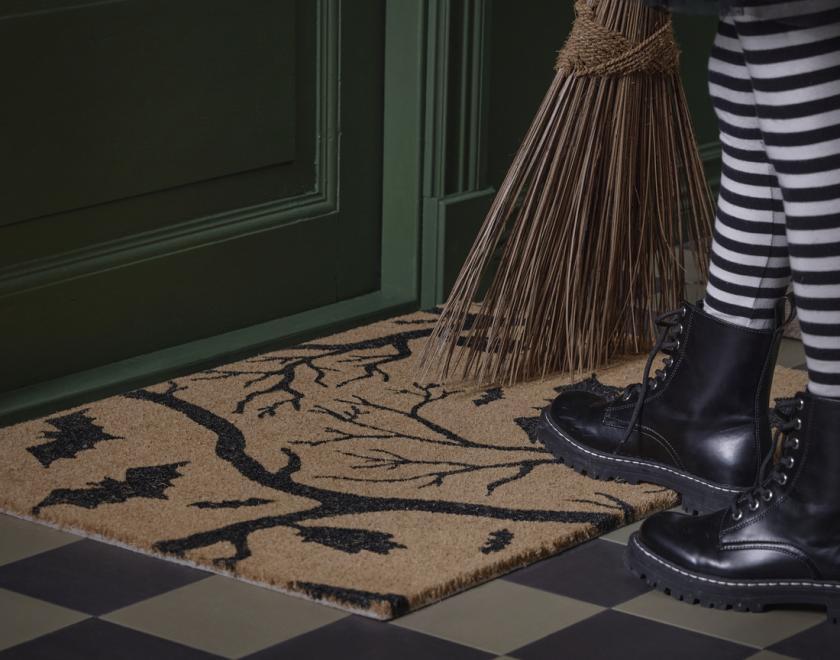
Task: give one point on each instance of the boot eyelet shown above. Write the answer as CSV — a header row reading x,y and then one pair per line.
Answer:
x,y
737,515
767,496
680,329
677,345
626,396
800,404
788,461
654,385
683,312
795,442
754,505
783,479
798,424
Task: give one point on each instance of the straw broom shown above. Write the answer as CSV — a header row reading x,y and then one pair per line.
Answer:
x,y
598,207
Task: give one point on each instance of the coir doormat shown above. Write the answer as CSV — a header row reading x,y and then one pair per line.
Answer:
x,y
324,470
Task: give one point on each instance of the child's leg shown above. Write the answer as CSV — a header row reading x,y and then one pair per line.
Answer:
x,y
749,269
795,76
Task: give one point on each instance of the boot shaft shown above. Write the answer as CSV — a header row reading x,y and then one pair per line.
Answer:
x,y
723,371
712,406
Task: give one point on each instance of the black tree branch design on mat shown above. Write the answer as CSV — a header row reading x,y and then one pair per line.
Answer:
x,y
434,433
384,459
282,370
231,448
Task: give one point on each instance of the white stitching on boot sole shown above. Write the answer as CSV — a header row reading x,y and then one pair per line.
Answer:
x,y
732,583
643,463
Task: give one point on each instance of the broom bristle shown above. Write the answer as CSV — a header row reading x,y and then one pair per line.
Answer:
x,y
593,205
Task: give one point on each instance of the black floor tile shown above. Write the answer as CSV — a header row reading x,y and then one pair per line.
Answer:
x,y
94,639
94,577
613,635
593,572
821,642
357,637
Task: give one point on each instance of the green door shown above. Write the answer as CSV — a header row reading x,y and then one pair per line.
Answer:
x,y
188,179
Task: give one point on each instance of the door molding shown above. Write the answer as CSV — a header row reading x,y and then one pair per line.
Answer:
x,y
456,195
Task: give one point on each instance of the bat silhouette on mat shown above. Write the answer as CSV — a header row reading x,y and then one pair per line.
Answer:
x,y
149,482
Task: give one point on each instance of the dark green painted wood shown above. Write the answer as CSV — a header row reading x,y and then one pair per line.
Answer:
x,y
403,140
184,281
456,139
125,99
358,237
79,229
144,306
460,218
695,35
524,38
241,236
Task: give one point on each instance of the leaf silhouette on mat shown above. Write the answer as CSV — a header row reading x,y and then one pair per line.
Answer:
x,y
350,540
74,433
498,540
231,504
148,482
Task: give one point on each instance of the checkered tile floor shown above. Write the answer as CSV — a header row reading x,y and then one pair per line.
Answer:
x,y
62,596
66,597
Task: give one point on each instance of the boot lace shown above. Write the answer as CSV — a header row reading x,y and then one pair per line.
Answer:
x,y
785,444
668,343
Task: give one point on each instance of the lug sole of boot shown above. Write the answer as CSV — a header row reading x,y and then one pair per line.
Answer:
x,y
697,495
718,593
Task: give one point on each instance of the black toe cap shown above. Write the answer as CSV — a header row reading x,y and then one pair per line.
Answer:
x,y
579,415
570,407
682,539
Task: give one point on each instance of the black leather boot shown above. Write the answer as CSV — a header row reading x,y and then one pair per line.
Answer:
x,y
700,426
777,544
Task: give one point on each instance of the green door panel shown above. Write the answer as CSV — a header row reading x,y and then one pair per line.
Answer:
x,y
130,98
183,169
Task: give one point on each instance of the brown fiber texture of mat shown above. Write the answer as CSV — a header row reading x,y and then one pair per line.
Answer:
x,y
326,471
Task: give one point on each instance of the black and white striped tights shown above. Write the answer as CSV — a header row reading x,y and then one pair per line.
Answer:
x,y
776,92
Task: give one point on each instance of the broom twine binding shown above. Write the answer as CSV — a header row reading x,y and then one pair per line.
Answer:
x,y
594,50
